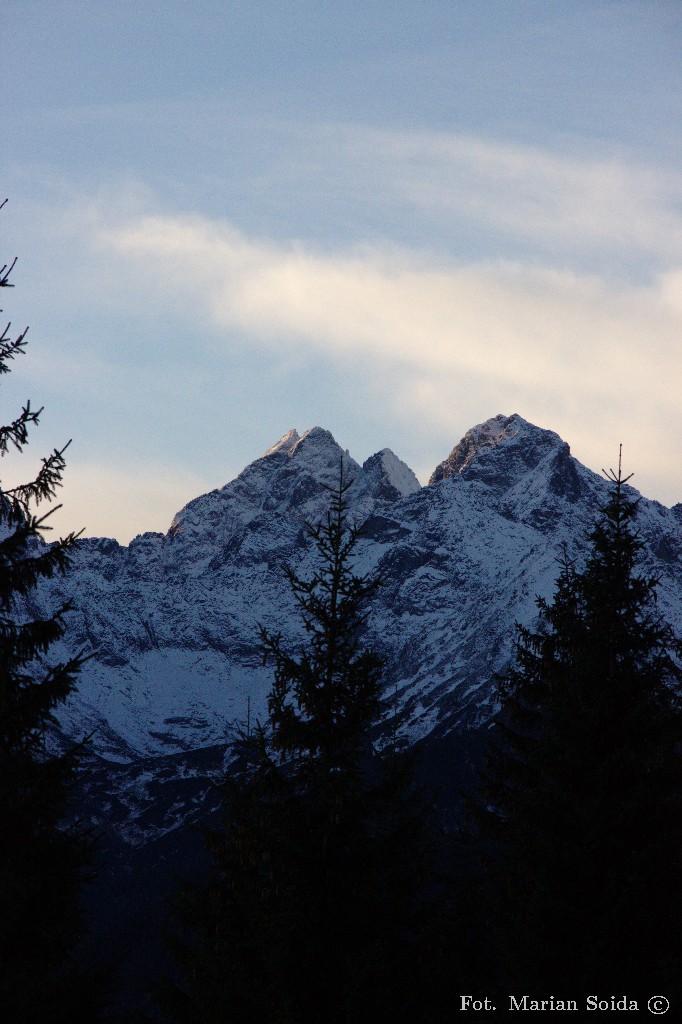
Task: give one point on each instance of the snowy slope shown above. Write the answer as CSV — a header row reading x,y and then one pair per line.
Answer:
x,y
173,619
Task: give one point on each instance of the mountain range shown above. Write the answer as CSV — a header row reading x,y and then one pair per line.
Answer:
x,y
172,619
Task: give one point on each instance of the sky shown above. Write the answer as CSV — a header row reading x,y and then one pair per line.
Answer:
x,y
393,220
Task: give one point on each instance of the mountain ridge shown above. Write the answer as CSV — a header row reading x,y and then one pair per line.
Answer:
x,y
173,618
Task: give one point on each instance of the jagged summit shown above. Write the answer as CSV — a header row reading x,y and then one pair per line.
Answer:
x,y
480,438
383,475
393,478
286,443
499,451
316,442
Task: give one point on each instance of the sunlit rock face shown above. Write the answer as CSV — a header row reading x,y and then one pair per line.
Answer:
x,y
172,619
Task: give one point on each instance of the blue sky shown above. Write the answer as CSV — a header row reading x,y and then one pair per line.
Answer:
x,y
393,220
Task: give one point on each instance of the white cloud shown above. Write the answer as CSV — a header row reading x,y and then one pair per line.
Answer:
x,y
524,326
576,201
585,356
583,197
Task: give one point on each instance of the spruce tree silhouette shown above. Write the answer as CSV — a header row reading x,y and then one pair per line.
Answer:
x,y
579,816
43,863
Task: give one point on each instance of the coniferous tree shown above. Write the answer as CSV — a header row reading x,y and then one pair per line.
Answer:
x,y
579,819
42,861
314,909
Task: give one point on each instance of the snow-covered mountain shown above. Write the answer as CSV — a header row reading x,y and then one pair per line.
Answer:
x,y
173,619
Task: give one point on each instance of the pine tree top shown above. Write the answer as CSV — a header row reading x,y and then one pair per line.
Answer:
x,y
325,700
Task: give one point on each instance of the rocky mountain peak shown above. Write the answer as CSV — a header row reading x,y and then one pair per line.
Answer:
x,y
319,441
286,443
500,451
479,439
390,476
315,445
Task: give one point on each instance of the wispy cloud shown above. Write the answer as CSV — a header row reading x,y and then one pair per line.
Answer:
x,y
583,200
550,197
580,198
588,352
521,324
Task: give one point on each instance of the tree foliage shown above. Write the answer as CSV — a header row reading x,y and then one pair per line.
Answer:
x,y
42,861
580,813
324,702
